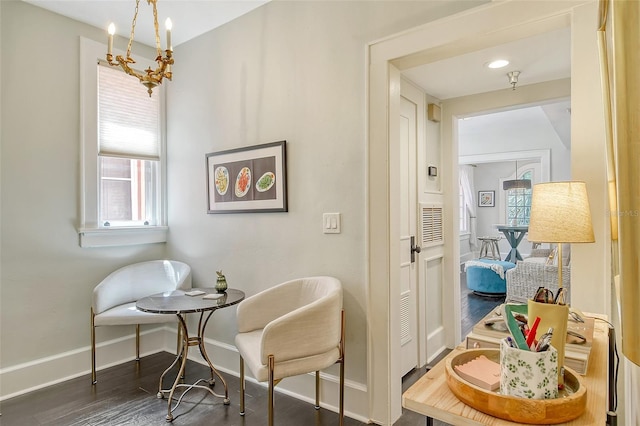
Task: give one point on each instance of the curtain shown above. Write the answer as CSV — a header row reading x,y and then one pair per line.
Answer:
x,y
619,43
468,191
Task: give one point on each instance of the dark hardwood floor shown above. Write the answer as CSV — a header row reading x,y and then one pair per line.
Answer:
x,y
126,395
473,307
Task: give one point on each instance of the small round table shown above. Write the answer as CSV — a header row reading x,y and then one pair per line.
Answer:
x,y
180,303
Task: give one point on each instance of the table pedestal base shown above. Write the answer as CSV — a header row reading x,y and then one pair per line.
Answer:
x,y
182,358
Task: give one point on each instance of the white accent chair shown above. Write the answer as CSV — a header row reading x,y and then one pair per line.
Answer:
x,y
294,328
114,299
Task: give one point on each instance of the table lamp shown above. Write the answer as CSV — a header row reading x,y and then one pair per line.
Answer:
x,y
560,214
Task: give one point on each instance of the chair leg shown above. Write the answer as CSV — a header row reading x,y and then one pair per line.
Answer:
x,y
93,349
341,413
271,386
137,342
241,386
342,357
317,390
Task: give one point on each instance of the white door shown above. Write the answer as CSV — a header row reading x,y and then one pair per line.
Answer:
x,y
408,257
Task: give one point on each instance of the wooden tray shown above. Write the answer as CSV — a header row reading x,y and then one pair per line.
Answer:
x,y
569,405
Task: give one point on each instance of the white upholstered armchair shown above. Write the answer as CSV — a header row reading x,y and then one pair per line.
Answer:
x,y
114,299
294,328
533,272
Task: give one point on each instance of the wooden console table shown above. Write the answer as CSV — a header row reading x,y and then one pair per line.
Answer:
x,y
431,396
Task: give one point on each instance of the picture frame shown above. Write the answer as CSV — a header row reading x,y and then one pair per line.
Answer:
x,y
248,179
486,198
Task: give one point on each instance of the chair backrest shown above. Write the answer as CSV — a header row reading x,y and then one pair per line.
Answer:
x,y
288,297
133,282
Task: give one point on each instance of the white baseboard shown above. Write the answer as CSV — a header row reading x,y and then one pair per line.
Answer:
x,y
41,373
27,377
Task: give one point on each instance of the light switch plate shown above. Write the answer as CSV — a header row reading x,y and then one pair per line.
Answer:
x,y
331,223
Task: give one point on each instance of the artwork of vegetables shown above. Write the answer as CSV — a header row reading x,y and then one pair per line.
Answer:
x,y
247,179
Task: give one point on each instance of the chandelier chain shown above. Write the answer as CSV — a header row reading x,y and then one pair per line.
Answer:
x,y
133,29
155,25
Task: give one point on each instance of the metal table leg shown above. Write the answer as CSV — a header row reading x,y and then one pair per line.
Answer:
x,y
186,343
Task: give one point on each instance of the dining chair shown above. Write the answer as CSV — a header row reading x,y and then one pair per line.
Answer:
x,y
114,299
294,328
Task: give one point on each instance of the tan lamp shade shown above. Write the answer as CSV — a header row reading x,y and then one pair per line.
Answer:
x,y
560,213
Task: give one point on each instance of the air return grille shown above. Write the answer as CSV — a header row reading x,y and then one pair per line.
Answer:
x,y
431,225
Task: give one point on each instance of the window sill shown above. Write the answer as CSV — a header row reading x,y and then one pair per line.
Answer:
x,y
110,237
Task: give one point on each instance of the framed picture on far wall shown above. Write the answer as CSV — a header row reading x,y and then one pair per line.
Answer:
x,y
247,179
486,198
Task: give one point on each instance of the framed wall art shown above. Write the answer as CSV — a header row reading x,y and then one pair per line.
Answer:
x,y
247,179
486,198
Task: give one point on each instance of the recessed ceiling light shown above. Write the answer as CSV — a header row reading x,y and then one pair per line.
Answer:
x,y
498,63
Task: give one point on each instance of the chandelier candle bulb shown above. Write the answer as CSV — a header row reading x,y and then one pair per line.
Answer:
x,y
168,25
111,30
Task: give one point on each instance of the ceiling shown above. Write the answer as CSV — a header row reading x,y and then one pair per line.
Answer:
x,y
543,57
190,18
540,58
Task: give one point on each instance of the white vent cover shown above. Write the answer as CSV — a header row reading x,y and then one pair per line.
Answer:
x,y
405,324
431,225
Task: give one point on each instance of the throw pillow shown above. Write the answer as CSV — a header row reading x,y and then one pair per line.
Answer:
x,y
552,260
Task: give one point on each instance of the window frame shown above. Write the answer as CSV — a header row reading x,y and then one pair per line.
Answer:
x,y
90,231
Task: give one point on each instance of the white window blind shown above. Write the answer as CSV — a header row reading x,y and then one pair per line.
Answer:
x,y
129,123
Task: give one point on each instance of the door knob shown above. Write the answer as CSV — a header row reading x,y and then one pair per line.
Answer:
x,y
414,249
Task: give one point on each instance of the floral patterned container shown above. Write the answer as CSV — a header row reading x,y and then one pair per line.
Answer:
x,y
528,374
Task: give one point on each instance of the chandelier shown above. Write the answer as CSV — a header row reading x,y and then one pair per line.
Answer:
x,y
149,78
516,183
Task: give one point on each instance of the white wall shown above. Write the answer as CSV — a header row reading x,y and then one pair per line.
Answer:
x,y
46,278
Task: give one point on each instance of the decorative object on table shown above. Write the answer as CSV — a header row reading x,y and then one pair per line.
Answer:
x,y
528,374
516,183
486,198
560,213
221,282
481,371
149,78
488,333
248,179
570,404
552,315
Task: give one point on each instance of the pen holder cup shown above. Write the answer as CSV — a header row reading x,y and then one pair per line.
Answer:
x,y
551,316
527,374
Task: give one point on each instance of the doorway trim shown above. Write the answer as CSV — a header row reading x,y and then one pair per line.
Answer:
x,y
472,30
